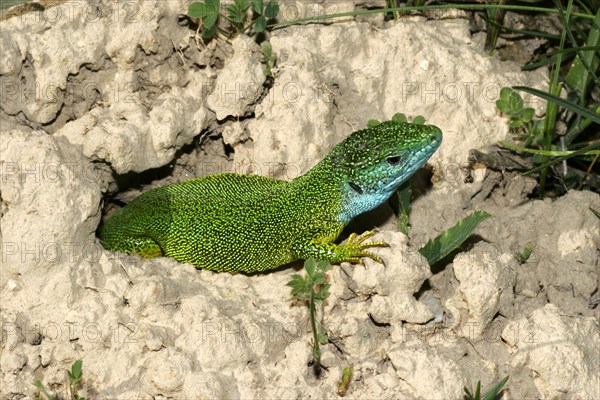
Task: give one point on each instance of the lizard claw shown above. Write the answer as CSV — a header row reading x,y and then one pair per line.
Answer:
x,y
355,248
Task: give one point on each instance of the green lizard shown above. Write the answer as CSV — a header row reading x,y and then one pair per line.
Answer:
x,y
230,222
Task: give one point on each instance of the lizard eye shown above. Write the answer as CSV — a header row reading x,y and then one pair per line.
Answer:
x,y
394,160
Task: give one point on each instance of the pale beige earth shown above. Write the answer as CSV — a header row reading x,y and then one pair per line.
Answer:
x,y
96,93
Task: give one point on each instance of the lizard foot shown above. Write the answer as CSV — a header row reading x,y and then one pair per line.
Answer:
x,y
355,249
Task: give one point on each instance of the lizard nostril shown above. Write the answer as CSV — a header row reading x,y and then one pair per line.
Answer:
x,y
433,138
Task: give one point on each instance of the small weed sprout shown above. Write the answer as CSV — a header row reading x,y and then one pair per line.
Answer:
x,y
344,383
491,395
242,15
523,256
398,117
269,59
312,288
74,375
521,121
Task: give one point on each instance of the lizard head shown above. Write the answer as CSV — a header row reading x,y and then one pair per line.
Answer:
x,y
371,163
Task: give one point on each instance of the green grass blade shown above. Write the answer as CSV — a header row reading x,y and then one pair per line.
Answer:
x,y
596,213
9,3
404,193
550,57
557,160
38,384
554,90
472,7
468,394
450,239
577,109
584,6
581,73
538,34
493,18
550,153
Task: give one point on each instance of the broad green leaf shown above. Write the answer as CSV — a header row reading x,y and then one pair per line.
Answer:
x,y
319,279
309,267
419,120
515,123
399,117
243,5
213,5
373,123
272,9
202,10
210,22
76,368
324,293
233,15
322,266
299,286
198,10
450,239
236,12
323,338
297,280
260,24
527,115
257,6
510,102
211,32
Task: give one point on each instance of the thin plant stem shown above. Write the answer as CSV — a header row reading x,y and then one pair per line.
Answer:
x,y
316,347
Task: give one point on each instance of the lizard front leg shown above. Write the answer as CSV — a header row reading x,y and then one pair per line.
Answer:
x,y
353,250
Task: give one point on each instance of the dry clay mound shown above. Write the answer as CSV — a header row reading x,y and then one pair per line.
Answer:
x,y
93,94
